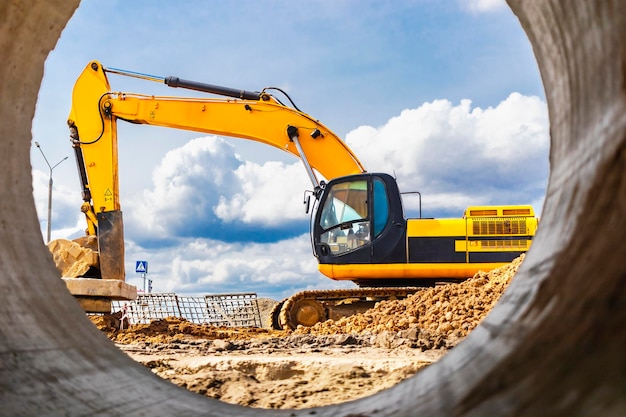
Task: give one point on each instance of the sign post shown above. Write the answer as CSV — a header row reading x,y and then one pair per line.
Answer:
x,y
141,267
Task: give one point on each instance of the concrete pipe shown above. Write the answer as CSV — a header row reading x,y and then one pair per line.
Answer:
x,y
552,346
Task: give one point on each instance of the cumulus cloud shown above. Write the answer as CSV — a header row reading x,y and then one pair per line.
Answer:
x,y
456,155
484,6
200,266
203,189
67,219
269,194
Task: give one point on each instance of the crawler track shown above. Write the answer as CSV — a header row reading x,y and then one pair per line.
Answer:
x,y
309,307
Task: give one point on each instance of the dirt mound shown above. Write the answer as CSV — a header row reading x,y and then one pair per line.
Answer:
x,y
293,382
434,318
442,313
331,362
172,329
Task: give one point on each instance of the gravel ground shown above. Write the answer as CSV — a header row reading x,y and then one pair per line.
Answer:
x,y
331,362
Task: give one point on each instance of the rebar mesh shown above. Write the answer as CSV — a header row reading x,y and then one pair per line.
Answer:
x,y
232,310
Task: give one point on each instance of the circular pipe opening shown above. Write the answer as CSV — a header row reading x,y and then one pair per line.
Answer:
x,y
552,346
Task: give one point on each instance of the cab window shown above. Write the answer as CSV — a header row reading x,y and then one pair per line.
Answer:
x,y
345,219
346,202
381,206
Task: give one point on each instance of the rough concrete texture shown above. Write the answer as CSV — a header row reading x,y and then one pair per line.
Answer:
x,y
552,346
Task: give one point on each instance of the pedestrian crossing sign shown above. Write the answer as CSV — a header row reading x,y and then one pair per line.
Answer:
x,y
141,267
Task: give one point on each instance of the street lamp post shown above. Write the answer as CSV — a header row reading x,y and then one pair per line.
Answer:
x,y
49,188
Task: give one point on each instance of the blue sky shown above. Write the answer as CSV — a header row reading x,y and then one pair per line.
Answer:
x,y
445,95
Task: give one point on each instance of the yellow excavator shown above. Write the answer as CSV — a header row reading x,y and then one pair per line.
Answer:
x,y
359,231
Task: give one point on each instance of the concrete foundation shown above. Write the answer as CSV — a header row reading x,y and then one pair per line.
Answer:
x,y
95,295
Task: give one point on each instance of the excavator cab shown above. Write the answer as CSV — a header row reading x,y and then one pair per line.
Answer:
x,y
360,220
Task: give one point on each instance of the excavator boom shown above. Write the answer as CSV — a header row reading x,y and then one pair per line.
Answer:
x,y
257,116
254,116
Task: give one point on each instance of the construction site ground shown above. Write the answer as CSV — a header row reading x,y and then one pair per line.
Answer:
x,y
331,362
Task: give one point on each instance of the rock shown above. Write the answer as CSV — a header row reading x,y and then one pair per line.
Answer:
x,y
71,258
221,345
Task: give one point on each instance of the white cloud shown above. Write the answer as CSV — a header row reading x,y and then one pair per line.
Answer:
x,y
67,219
196,266
204,189
484,6
187,182
269,194
455,155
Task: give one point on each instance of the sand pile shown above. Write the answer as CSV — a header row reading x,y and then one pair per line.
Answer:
x,y
433,318
173,329
328,363
447,312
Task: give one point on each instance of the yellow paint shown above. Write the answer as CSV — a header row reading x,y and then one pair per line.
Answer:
x,y
397,271
492,245
499,211
435,227
265,121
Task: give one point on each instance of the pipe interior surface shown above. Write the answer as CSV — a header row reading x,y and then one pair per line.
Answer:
x,y
552,346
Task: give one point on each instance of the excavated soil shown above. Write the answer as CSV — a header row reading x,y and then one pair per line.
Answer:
x,y
331,362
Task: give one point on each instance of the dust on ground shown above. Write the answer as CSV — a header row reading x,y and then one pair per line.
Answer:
x,y
328,363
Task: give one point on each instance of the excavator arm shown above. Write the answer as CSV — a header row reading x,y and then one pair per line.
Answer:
x,y
248,115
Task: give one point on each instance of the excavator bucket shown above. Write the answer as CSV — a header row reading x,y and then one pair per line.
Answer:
x,y
111,244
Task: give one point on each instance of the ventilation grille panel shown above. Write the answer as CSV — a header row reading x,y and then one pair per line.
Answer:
x,y
494,226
